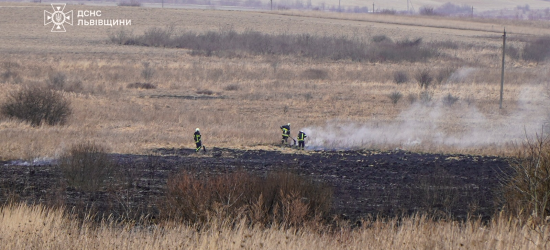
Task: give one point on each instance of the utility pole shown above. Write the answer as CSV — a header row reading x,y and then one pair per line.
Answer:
x,y
271,4
472,11
502,72
372,7
163,4
339,9
410,7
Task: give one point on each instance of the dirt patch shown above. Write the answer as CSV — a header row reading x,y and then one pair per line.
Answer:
x,y
364,182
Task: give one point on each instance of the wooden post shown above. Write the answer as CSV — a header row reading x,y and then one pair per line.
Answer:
x,y
502,72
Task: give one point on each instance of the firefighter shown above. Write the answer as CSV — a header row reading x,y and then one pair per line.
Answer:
x,y
301,140
197,137
286,133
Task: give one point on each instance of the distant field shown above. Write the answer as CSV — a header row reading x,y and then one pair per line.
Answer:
x,y
481,5
345,105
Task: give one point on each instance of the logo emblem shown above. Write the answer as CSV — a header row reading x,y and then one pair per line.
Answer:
x,y
58,17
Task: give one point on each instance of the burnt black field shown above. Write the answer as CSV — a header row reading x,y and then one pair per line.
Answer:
x,y
365,183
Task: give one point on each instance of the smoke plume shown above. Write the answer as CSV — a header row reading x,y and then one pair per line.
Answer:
x,y
430,126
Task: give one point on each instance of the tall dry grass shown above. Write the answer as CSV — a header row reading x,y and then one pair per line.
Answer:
x,y
23,227
250,98
240,100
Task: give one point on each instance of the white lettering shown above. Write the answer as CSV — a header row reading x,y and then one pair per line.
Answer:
x,y
80,13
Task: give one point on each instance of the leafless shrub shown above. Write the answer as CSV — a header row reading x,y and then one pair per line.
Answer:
x,y
537,50
381,38
205,92
156,37
147,72
10,74
412,98
444,74
409,43
230,42
400,77
395,97
527,186
36,105
122,37
425,97
388,11
449,100
86,166
424,78
512,52
57,80
404,50
283,198
75,86
139,85
131,3
232,87
427,11
315,74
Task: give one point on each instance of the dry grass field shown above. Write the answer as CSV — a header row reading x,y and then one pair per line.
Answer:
x,y
240,99
401,5
24,227
340,103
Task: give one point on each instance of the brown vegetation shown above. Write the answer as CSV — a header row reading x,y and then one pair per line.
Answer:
x,y
36,105
526,190
239,76
86,166
23,226
281,198
249,94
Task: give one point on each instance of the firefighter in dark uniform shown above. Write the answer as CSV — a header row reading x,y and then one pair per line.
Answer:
x,y
286,133
301,140
197,137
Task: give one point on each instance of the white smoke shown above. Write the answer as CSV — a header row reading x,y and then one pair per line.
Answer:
x,y
423,126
